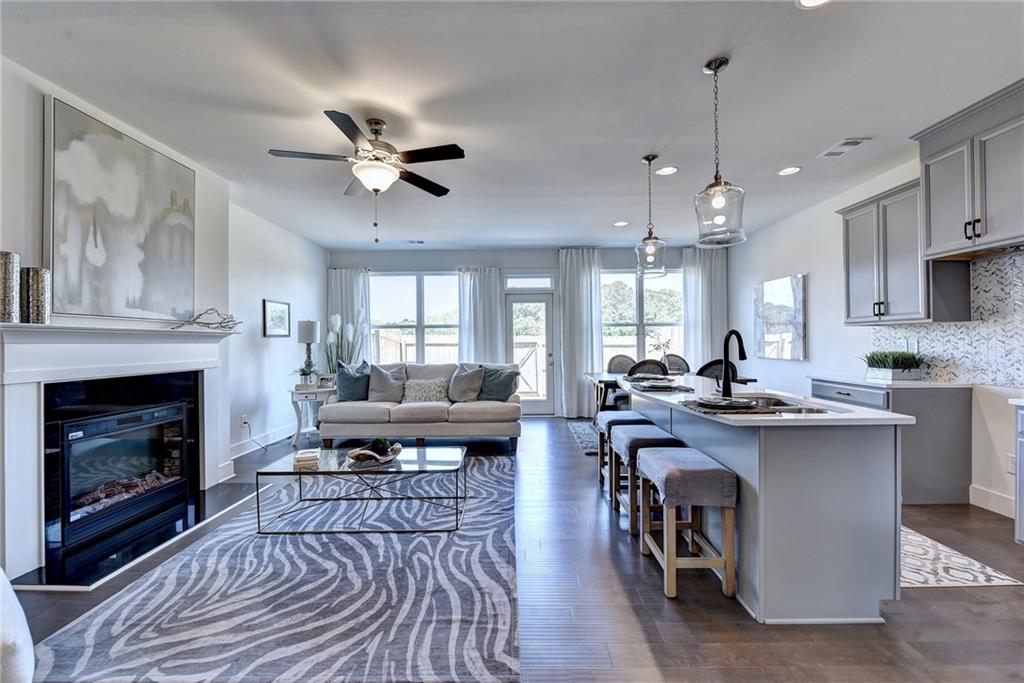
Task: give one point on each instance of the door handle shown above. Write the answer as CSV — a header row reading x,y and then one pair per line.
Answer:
x,y
874,308
975,223
967,235
881,308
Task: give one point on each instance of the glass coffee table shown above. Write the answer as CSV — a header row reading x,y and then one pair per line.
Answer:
x,y
435,477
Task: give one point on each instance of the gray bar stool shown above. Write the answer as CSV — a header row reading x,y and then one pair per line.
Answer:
x,y
605,421
685,476
626,441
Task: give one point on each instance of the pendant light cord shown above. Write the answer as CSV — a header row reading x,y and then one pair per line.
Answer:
x,y
376,225
718,176
650,222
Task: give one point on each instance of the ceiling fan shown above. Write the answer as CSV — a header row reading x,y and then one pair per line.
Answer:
x,y
377,164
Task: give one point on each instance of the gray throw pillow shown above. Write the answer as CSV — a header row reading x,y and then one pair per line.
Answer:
x,y
353,382
466,383
387,385
499,384
423,390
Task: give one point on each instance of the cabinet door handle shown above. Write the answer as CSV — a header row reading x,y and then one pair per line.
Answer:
x,y
881,308
874,308
976,222
843,393
967,235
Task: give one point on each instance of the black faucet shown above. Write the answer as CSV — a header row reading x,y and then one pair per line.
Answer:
x,y
726,371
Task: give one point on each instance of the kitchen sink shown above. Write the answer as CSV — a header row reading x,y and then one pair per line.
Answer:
x,y
783,406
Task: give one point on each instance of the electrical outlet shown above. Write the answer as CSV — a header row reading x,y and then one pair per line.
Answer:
x,y
1011,463
243,420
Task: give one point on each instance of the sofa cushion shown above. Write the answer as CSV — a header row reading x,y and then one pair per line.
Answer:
x,y
357,411
426,390
499,384
386,385
466,383
430,370
429,411
353,382
484,411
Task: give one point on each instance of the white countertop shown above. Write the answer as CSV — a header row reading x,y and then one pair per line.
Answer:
x,y
1016,401
894,384
840,414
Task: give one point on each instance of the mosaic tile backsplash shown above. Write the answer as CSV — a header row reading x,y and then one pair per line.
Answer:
x,y
989,349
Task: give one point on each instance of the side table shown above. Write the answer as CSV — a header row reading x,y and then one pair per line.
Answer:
x,y
315,398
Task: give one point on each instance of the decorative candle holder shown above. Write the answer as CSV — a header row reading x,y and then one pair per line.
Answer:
x,y
35,296
10,284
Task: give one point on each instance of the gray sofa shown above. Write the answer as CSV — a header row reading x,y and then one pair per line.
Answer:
x,y
367,419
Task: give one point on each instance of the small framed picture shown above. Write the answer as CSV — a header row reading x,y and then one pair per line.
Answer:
x,y
277,319
326,381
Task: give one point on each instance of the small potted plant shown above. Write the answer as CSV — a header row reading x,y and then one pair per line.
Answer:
x,y
307,378
893,365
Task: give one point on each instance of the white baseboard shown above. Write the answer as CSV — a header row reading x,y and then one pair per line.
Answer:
x,y
225,471
999,503
266,438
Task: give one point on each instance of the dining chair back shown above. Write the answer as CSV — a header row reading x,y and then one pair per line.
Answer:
x,y
648,367
620,363
713,369
675,363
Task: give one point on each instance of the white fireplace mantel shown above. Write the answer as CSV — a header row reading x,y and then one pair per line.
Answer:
x,y
32,356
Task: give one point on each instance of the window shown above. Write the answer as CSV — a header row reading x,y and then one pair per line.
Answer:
x,y
641,317
414,318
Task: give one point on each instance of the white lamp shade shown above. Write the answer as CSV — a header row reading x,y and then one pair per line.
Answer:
x,y
376,176
308,331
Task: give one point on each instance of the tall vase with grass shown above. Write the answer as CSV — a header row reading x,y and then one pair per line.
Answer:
x,y
343,344
894,365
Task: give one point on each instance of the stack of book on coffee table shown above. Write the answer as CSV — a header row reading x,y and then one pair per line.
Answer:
x,y
307,457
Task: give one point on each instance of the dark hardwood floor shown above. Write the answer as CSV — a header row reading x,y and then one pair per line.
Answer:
x,y
591,607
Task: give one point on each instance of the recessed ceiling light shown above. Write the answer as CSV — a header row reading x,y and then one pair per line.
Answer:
x,y
620,224
666,170
789,170
811,4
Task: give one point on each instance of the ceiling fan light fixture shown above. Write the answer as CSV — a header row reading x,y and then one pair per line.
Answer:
x,y
376,176
811,4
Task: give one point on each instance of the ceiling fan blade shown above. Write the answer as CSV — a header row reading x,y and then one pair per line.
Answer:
x,y
424,184
349,127
308,155
355,188
439,153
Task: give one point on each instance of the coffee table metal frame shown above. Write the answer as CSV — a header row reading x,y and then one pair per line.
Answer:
x,y
369,489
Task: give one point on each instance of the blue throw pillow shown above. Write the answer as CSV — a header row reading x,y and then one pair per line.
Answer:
x,y
353,382
499,384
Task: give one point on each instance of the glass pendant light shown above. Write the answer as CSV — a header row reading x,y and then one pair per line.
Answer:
x,y
719,206
650,251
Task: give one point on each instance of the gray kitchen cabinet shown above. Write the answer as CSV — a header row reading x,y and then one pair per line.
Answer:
x,y
901,271
935,452
860,240
948,199
972,172
999,183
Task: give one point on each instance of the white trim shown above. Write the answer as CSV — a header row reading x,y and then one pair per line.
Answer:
x,y
246,446
229,467
85,589
996,502
834,620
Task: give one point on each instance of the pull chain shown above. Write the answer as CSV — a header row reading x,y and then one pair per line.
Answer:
x,y
376,224
650,222
718,176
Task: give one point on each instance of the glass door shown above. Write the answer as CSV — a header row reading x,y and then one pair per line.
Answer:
x,y
529,326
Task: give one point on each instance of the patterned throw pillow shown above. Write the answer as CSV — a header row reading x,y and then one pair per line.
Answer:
x,y
422,390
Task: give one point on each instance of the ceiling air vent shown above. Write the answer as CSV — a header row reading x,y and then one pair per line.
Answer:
x,y
842,147
414,242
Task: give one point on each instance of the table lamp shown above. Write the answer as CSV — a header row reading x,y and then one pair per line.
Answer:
x,y
308,333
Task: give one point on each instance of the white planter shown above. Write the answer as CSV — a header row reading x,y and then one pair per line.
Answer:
x,y
887,375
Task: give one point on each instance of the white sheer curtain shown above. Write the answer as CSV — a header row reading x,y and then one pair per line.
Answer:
x,y
705,304
348,295
481,315
579,285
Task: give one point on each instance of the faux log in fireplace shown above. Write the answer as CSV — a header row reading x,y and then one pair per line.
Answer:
x,y
121,466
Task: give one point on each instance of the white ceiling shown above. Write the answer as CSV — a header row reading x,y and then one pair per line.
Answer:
x,y
554,103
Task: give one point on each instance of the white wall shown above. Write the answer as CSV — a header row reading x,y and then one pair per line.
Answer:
x,y
808,242
267,261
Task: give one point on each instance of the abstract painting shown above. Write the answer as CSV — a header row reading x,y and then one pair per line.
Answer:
x,y
122,216
779,318
277,319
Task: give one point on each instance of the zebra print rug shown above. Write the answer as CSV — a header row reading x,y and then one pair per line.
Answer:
x,y
235,606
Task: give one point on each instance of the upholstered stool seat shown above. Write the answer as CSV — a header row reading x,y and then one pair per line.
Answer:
x,y
626,441
605,421
687,477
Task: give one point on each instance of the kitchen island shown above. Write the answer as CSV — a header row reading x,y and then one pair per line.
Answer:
x,y
819,499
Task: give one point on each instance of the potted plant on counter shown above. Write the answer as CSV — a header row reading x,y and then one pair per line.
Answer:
x,y
894,365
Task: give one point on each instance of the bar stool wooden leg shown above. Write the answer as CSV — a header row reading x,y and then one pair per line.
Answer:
x,y
729,551
694,528
645,514
633,495
613,474
600,458
669,550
